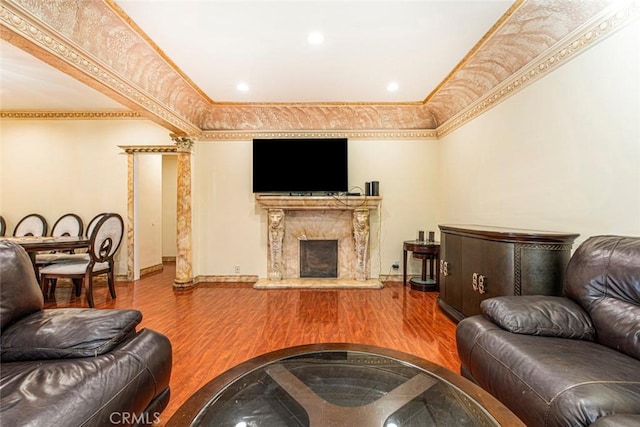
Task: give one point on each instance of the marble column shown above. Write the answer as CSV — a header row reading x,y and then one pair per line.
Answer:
x,y
130,215
184,273
276,236
361,238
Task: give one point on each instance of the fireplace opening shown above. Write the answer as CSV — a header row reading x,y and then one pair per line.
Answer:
x,y
319,258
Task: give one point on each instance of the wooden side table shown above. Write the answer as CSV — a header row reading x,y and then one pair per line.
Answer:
x,y
425,251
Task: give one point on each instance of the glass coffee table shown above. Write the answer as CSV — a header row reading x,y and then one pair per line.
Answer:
x,y
323,385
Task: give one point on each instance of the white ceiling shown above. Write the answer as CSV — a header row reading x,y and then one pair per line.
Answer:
x,y
218,43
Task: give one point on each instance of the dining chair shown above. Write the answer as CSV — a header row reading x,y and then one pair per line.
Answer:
x,y
105,240
68,224
31,225
3,226
92,223
80,254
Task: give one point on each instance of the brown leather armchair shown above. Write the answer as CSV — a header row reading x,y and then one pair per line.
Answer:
x,y
74,366
571,360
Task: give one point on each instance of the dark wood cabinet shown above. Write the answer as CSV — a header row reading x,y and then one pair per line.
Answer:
x,y
479,262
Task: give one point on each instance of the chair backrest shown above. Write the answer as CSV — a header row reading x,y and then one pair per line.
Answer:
x,y
106,237
31,225
68,225
93,223
603,276
3,226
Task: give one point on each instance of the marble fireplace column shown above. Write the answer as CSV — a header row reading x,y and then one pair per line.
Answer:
x,y
276,236
184,274
361,238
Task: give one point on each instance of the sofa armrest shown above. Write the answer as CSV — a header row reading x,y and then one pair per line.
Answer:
x,y
67,333
549,316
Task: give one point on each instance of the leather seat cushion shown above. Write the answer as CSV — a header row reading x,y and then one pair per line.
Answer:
x,y
87,391
67,333
549,381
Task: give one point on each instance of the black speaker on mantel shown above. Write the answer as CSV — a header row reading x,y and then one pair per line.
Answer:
x,y
367,188
375,188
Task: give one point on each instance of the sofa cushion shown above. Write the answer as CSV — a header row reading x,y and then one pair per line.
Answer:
x,y
603,276
548,316
92,391
548,381
20,293
67,333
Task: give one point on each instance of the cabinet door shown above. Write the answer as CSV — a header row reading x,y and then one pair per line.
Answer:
x,y
451,271
492,264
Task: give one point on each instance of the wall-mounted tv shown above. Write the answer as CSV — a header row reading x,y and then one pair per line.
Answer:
x,y
300,165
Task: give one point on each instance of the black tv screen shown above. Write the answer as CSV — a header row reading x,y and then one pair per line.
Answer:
x,y
302,165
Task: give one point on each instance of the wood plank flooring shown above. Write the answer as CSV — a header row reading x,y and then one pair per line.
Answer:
x,y
215,326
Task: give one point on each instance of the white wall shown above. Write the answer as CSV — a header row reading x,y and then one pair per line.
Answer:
x,y
231,230
57,166
149,217
563,154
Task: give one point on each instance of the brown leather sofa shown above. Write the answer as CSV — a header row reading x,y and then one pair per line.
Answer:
x,y
565,361
75,366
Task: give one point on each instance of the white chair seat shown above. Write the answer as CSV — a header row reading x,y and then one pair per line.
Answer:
x,y
59,257
79,267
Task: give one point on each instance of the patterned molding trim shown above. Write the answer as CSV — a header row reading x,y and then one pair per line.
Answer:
x,y
75,115
517,262
28,28
132,149
369,134
37,33
593,32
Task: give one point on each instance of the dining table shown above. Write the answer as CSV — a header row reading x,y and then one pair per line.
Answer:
x,y
34,244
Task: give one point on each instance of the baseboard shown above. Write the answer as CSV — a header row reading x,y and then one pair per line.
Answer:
x,y
149,270
225,279
391,277
168,259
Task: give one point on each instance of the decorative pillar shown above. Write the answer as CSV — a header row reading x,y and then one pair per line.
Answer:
x,y
184,274
276,236
361,238
130,216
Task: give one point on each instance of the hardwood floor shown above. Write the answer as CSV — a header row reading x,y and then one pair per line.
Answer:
x,y
215,326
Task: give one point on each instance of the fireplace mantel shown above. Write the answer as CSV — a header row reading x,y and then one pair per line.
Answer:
x,y
294,218
318,202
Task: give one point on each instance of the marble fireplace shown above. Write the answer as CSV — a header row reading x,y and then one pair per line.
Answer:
x,y
295,219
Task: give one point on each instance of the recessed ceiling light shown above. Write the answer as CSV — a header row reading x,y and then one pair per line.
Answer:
x,y
393,86
315,37
242,87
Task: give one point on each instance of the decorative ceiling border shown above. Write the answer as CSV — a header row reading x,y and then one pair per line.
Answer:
x,y
19,27
133,149
365,134
74,115
596,30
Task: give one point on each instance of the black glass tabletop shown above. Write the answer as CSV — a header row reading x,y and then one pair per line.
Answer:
x,y
342,386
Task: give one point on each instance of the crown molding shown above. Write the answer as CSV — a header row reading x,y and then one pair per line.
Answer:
x,y
133,149
41,35
365,134
72,115
33,34
592,32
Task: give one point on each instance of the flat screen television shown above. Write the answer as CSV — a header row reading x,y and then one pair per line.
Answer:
x,y
300,165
